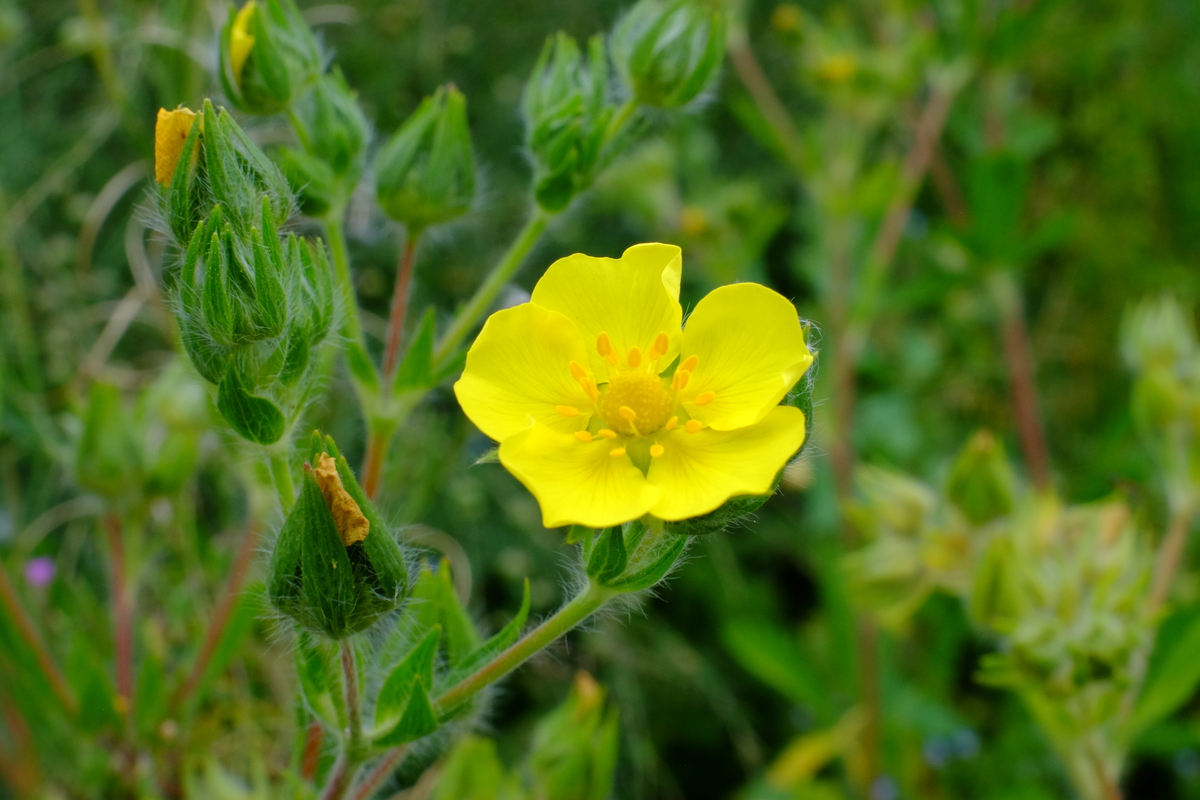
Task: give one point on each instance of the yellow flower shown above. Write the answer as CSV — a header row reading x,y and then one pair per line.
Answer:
x,y
607,411
170,132
241,41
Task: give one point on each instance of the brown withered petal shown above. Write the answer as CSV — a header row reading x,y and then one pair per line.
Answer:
x,y
347,516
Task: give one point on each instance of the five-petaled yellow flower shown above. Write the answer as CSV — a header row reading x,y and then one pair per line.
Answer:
x,y
607,411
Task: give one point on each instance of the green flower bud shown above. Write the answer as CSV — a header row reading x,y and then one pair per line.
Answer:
x,y
268,56
669,51
425,174
335,568
981,482
1158,398
108,459
573,755
566,119
216,164
252,309
334,132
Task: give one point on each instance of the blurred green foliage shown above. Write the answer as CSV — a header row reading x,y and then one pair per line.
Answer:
x,y
1068,167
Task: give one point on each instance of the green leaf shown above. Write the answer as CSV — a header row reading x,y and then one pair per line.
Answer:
x,y
419,720
1174,670
361,367
607,560
255,418
653,573
772,655
494,646
416,668
416,370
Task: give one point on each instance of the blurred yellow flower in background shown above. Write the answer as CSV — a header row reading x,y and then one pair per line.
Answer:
x,y
606,410
241,41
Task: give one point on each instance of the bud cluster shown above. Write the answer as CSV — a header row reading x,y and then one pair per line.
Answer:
x,y
667,52
268,56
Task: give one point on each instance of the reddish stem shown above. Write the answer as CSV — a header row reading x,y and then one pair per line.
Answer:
x,y
122,614
395,331
380,772
1023,387
372,469
220,620
25,627
311,758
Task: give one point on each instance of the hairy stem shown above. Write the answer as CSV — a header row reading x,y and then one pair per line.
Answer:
x,y
352,744
281,474
1170,555
380,772
400,295
470,314
576,611
335,232
122,608
25,627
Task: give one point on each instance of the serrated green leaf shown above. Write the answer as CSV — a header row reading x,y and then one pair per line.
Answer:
x,y
416,370
361,367
397,690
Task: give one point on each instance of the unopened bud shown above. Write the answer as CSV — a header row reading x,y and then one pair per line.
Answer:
x,y
268,56
1157,332
425,174
981,482
669,51
574,748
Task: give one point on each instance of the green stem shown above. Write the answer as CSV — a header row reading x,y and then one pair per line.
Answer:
x,y
335,232
282,475
353,749
467,318
618,122
298,127
580,608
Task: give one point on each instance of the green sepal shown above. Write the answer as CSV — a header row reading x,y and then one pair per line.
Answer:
x,y
295,362
328,576
255,418
490,456
270,300
607,559
182,211
494,646
396,692
576,533
654,572
416,370
218,313
361,367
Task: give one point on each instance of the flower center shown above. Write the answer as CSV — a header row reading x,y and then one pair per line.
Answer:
x,y
635,402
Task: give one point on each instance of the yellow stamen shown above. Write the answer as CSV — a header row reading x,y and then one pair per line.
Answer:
x,y
635,357
693,425
583,436
589,386
704,398
568,411
578,372
607,434
620,451
671,423
660,346
605,347
627,412
680,381
690,363
656,450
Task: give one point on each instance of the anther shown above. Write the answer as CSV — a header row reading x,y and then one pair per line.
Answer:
x,y
620,451
659,348
590,388
680,380
635,357
693,425
656,450
607,434
583,436
690,363
627,413
704,398
577,371
605,348
568,411
671,423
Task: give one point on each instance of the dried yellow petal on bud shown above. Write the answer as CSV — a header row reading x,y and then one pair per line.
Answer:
x,y
347,516
241,41
170,132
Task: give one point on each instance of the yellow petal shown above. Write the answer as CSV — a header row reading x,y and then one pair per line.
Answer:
x,y
352,524
170,132
519,372
632,298
576,482
699,471
241,41
750,351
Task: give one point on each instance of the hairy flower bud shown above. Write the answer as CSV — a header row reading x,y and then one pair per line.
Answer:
x,y
335,567
268,56
425,174
566,119
981,482
669,51
333,132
